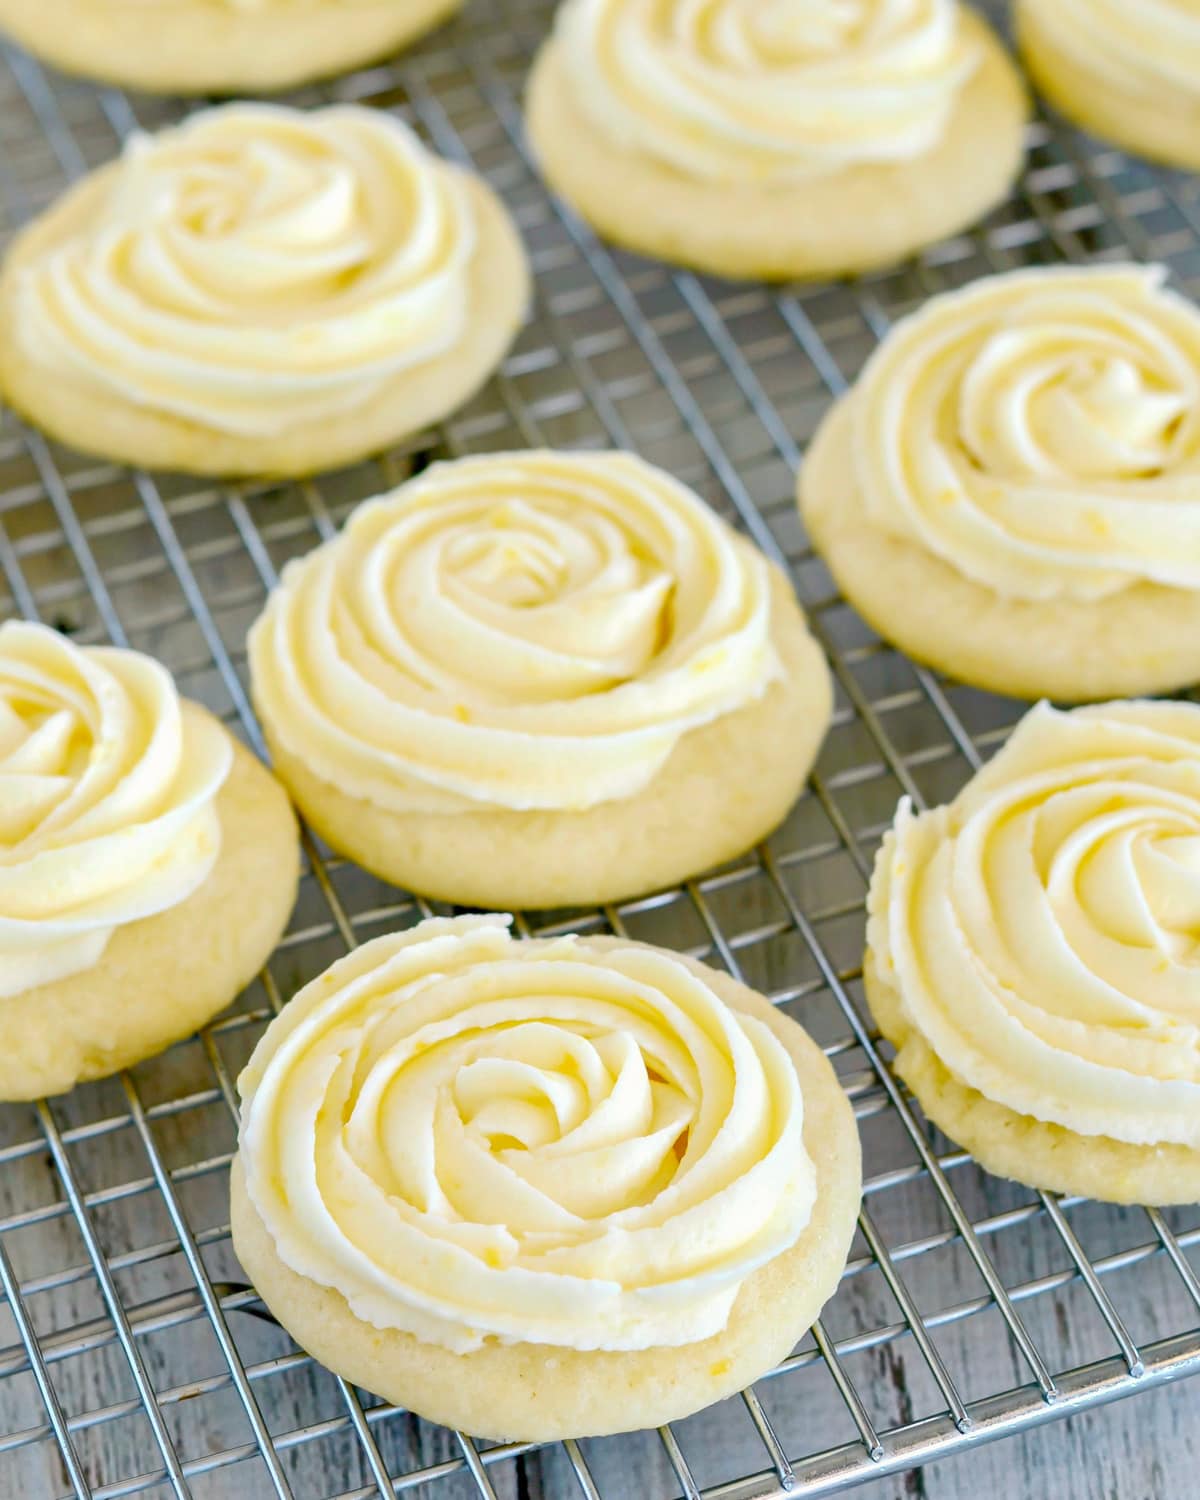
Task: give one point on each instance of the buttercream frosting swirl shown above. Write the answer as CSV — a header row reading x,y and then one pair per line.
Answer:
x,y
730,90
252,5
1040,432
1147,47
1042,932
530,630
107,789
257,268
471,1137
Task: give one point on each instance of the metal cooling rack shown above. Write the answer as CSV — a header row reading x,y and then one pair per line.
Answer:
x,y
131,1358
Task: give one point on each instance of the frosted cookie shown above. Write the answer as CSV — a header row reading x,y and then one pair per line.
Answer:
x,y
539,679
1011,491
148,863
541,1189
1128,70
784,140
260,290
1034,954
216,46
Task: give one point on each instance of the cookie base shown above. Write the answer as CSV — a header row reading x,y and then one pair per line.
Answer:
x,y
1143,640
1159,126
725,786
540,1393
1018,1146
160,979
215,49
863,217
95,421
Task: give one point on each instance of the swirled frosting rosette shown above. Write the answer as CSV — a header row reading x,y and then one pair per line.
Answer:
x,y
259,267
542,1188
472,1138
259,276
1011,489
1038,940
148,862
776,138
1040,432
1131,72
107,801
524,631
216,46
528,679
730,90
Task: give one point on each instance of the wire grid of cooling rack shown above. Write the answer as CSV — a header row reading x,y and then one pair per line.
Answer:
x,y
134,1360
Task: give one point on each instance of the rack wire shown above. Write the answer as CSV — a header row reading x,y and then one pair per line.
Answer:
x,y
134,1358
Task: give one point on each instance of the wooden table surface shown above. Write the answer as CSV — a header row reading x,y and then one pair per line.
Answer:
x,y
595,367
1143,1448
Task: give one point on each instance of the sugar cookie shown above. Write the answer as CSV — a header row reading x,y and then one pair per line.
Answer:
x,y
1034,954
780,141
260,290
1128,70
541,1189
1011,491
539,679
148,863
216,46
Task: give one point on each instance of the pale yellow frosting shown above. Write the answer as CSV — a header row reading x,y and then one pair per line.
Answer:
x,y
1146,46
164,5
1040,432
257,268
526,630
471,1137
160,5
730,90
107,810
1042,932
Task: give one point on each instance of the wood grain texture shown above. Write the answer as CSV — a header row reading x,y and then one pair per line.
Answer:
x,y
1146,1448
588,371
